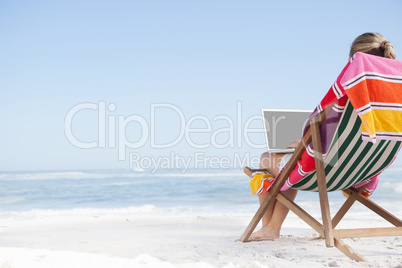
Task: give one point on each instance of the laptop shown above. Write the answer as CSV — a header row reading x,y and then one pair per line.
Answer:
x,y
282,127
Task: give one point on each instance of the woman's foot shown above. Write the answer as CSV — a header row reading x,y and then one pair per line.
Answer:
x,y
265,234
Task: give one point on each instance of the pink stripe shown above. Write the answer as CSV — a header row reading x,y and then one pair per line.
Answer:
x,y
369,63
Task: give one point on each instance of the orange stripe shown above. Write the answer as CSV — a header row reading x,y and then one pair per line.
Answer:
x,y
380,91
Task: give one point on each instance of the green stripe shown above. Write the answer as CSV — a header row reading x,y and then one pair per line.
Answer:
x,y
359,176
350,152
365,169
343,124
362,175
303,181
341,128
388,161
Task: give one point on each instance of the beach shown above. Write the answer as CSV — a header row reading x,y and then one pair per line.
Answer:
x,y
188,232
126,126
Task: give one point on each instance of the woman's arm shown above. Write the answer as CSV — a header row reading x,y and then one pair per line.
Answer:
x,y
294,144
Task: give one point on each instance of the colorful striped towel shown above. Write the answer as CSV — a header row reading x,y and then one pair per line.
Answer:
x,y
261,182
374,86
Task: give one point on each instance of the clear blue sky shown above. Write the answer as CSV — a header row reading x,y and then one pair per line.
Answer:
x,y
205,58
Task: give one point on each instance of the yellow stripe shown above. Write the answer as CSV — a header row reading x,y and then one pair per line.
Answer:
x,y
382,121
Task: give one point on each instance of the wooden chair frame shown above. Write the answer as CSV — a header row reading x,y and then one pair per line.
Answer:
x,y
326,229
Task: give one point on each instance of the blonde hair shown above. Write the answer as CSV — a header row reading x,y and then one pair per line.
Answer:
x,y
374,44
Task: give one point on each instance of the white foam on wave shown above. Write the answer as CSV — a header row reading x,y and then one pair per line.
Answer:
x,y
394,169
133,210
210,175
11,200
144,210
54,175
391,187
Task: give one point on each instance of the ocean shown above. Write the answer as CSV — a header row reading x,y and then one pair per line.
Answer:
x,y
206,191
118,189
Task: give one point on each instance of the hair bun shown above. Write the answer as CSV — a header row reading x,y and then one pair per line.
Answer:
x,y
386,44
388,49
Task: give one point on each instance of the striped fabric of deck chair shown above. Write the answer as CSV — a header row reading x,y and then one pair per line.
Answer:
x,y
349,160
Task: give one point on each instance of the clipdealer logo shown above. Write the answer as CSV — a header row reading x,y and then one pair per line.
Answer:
x,y
112,134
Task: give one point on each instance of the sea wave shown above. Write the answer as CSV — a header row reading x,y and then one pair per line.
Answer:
x,y
77,175
149,210
390,187
11,200
54,175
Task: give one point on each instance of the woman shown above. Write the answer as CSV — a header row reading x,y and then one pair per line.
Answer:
x,y
370,43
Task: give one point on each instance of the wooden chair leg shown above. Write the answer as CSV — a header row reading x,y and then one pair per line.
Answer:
x,y
342,211
345,208
260,212
322,184
348,251
257,217
375,208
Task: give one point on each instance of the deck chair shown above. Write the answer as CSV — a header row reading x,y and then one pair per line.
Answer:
x,y
349,160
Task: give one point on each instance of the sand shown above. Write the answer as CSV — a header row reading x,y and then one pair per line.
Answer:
x,y
151,237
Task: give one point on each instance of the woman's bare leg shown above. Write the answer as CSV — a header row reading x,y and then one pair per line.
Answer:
x,y
274,217
271,163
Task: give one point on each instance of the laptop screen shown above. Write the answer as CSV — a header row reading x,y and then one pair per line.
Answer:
x,y
282,127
